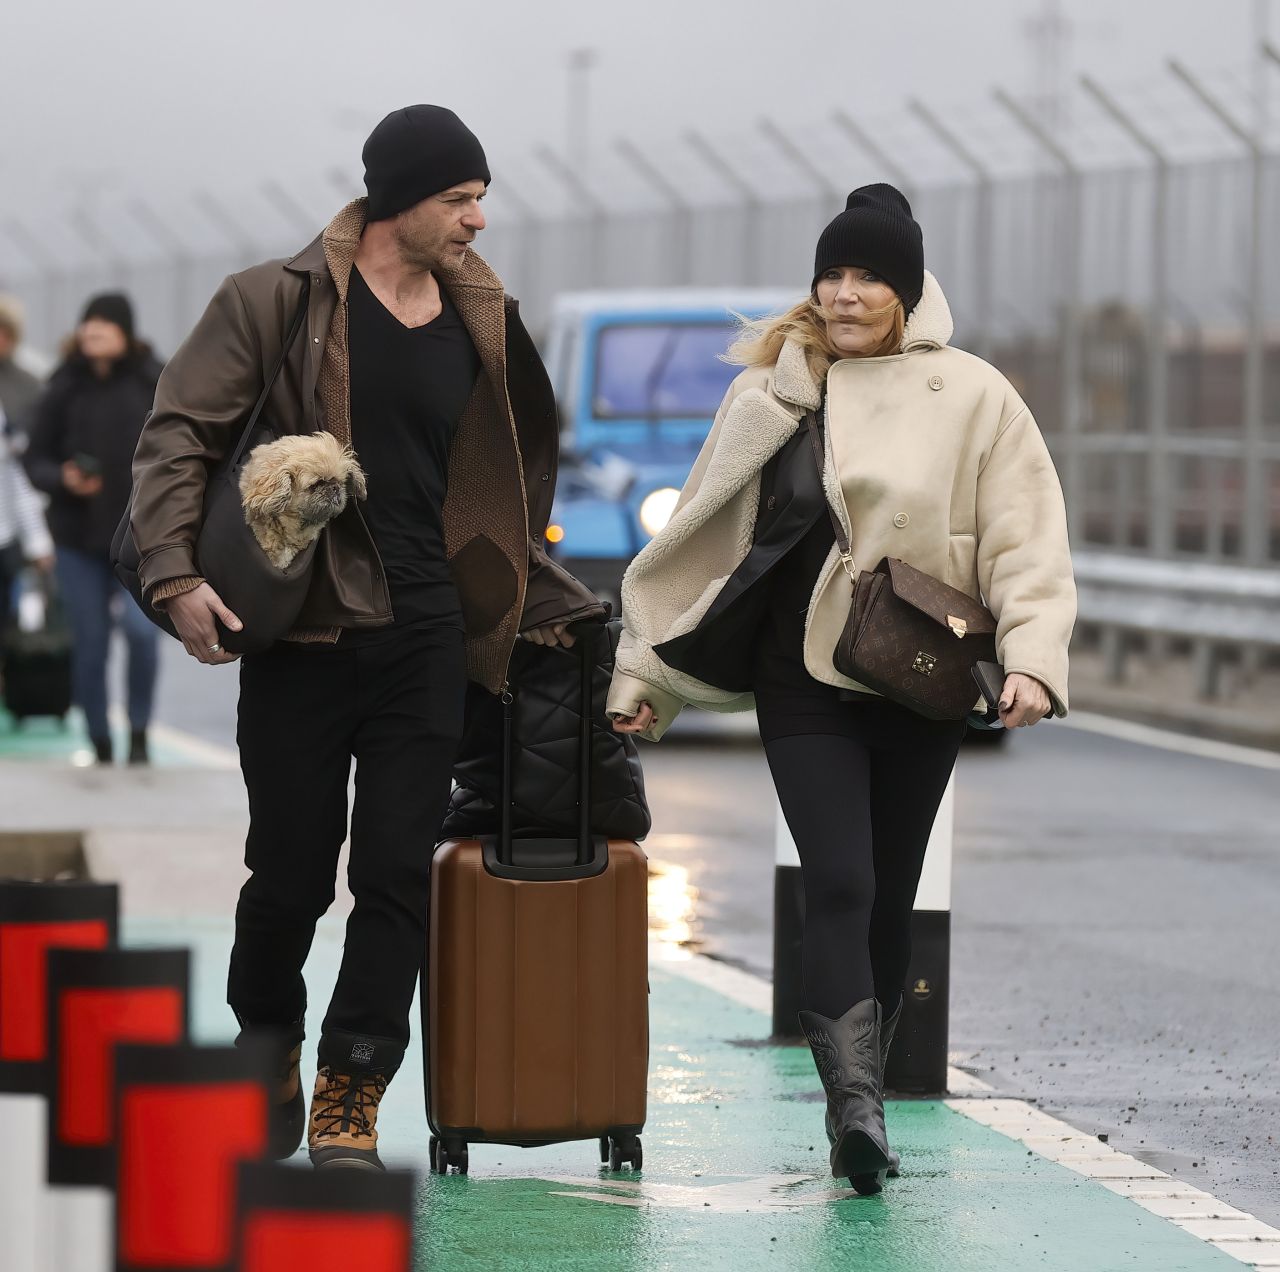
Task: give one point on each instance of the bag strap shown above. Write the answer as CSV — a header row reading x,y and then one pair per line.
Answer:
x,y
294,328
814,429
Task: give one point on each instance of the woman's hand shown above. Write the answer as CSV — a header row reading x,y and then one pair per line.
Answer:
x,y
637,723
1023,700
193,615
551,634
78,482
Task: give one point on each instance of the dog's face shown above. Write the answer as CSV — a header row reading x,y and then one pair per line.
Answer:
x,y
300,481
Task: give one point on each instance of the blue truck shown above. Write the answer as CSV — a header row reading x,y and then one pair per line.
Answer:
x,y
638,376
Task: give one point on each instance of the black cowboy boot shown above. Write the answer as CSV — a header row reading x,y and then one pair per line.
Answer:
x,y
888,1028
847,1055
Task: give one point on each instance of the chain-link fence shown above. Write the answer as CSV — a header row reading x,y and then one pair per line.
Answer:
x,y
1119,267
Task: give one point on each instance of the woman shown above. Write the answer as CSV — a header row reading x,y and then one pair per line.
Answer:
x,y
86,428
928,455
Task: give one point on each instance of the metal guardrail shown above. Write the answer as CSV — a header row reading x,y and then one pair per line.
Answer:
x,y
1216,607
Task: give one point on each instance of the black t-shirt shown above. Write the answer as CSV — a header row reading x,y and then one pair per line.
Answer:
x,y
409,387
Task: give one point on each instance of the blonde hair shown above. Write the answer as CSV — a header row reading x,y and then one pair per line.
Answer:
x,y
760,341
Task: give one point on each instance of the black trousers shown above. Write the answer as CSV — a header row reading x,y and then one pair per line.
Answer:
x,y
395,705
860,799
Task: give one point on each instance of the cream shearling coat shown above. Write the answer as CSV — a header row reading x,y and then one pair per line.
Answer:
x,y
931,457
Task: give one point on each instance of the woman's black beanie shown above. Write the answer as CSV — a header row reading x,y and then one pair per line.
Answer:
x,y
416,152
876,231
111,307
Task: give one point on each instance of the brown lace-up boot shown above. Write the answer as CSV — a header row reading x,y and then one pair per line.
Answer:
x,y
344,1114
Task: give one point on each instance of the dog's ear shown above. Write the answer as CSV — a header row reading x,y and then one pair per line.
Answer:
x,y
357,488
267,493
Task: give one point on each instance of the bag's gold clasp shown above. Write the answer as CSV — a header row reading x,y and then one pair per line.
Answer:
x,y
924,663
958,625
846,559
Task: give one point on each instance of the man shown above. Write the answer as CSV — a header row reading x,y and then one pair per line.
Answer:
x,y
411,353
19,389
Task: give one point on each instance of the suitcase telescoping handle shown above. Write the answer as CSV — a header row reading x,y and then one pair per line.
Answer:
x,y
590,855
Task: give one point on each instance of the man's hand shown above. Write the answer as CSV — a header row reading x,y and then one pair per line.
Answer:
x,y
77,482
637,723
193,614
551,634
1023,700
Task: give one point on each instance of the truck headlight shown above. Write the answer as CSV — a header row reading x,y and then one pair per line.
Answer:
x,y
657,508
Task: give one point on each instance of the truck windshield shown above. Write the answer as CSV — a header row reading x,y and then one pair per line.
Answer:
x,y
661,370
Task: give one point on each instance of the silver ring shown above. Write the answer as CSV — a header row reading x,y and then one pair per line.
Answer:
x,y
215,649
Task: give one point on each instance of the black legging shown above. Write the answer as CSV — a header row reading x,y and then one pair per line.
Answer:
x,y
860,804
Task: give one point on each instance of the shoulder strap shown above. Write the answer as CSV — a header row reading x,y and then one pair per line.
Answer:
x,y
294,328
814,429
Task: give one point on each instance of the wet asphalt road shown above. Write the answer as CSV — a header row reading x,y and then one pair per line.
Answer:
x,y
1116,943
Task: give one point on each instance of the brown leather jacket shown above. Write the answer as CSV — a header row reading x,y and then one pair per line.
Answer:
x,y
502,468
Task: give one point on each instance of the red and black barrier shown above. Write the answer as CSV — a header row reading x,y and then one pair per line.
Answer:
x,y
34,918
291,1218
98,1000
186,1118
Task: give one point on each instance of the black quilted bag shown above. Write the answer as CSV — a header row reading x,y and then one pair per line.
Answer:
x,y
545,707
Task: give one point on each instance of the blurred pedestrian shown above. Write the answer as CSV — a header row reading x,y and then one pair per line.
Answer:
x,y
19,388
927,454
24,536
406,353
86,429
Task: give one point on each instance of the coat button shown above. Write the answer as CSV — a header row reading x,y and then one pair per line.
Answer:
x,y
935,382
315,339
546,476
900,519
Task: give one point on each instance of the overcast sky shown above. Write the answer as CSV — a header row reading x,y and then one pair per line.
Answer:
x,y
107,100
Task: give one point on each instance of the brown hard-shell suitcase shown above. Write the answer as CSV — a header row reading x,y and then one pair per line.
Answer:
x,y
535,1011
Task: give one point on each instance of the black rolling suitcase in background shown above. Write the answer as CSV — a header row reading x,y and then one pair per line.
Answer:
x,y
36,652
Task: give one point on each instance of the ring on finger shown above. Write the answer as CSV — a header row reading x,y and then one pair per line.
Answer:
x,y
215,648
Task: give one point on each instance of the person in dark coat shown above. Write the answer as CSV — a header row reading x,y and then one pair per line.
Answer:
x,y
85,430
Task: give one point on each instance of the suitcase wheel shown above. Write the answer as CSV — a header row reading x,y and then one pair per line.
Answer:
x,y
623,1150
446,1156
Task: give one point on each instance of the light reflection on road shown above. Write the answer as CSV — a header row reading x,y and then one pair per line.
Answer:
x,y
673,903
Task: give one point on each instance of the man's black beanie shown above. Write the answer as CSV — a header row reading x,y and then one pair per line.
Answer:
x,y
111,307
877,232
417,152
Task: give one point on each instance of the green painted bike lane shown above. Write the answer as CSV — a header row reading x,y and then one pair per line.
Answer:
x,y
735,1165
45,739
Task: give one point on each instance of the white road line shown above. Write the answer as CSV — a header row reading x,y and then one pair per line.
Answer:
x,y
1167,740
210,754
1198,1213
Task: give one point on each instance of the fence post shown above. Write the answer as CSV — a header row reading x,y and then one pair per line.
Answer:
x,y
750,201
1256,528
1160,486
680,206
596,211
984,229
861,137
1073,465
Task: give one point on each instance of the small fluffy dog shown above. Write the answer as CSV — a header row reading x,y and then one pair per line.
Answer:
x,y
293,487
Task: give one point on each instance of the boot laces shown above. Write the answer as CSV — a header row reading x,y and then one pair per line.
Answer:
x,y
346,1103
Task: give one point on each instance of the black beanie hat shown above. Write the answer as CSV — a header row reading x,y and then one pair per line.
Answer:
x,y
111,307
876,231
417,152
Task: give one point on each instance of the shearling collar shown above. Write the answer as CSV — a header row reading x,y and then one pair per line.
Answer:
x,y
928,327
338,244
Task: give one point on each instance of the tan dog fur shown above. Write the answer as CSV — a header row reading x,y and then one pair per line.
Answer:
x,y
293,487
